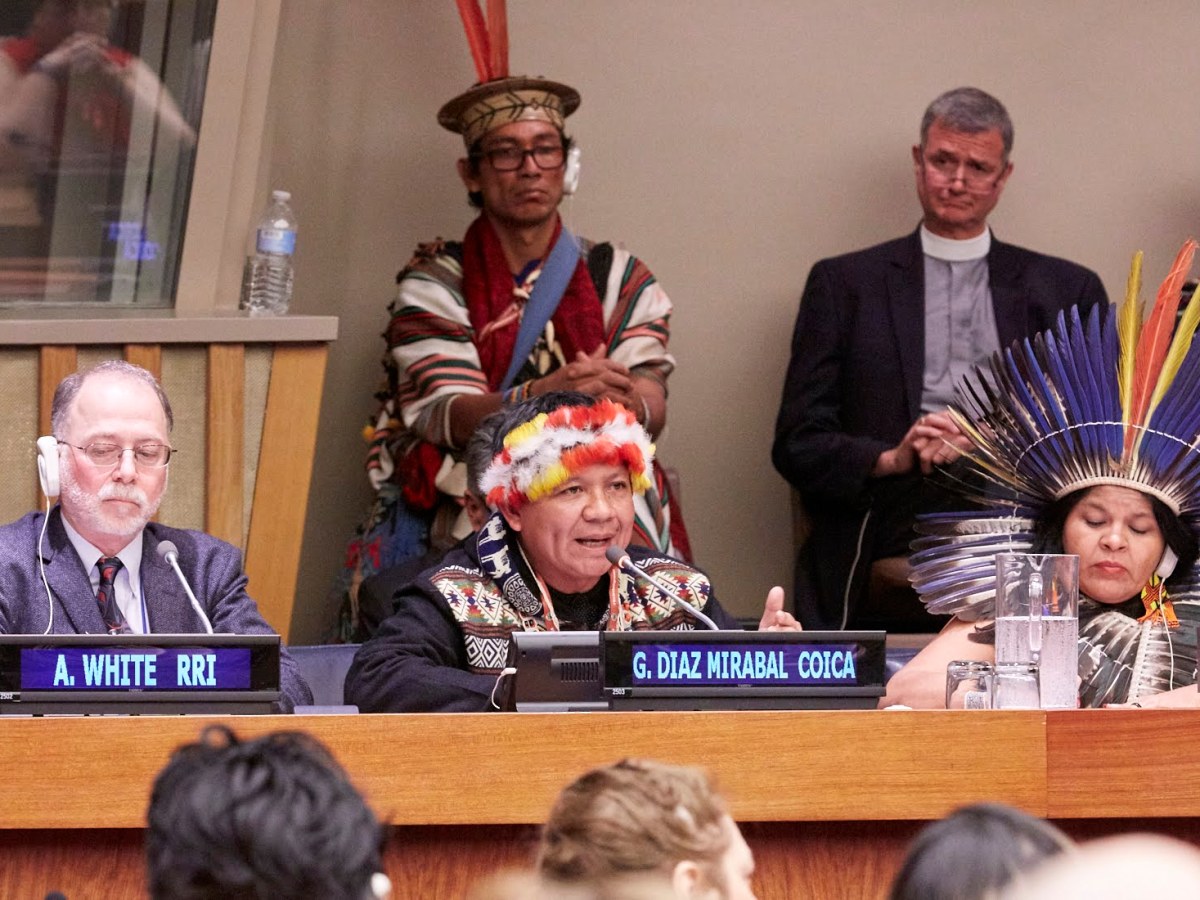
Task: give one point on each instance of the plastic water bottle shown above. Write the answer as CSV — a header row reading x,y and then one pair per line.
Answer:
x,y
267,284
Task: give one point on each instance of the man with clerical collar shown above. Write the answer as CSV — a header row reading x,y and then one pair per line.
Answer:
x,y
91,565
561,489
520,307
882,336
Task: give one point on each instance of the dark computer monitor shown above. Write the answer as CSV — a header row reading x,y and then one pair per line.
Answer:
x,y
556,671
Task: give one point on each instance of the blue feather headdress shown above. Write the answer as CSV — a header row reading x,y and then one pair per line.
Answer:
x,y
1095,400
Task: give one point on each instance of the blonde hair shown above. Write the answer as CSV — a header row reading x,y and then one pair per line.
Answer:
x,y
634,816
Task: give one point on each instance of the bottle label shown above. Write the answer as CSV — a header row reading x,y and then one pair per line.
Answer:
x,y
277,240
977,700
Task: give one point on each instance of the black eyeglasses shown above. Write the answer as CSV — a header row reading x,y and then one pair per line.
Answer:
x,y
509,159
104,455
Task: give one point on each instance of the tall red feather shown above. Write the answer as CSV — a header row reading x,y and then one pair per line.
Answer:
x,y
477,37
497,22
1156,339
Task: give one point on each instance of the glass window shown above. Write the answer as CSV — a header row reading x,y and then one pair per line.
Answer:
x,y
100,106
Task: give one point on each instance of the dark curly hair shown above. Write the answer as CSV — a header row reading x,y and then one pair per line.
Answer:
x,y
265,819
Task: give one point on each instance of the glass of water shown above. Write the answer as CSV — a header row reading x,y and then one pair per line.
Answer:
x,y
968,684
1015,686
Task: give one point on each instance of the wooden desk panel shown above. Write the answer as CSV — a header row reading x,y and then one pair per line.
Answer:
x,y
445,769
1123,763
828,800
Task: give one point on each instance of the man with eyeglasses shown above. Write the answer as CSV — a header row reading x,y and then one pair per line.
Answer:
x,y
882,336
91,564
520,307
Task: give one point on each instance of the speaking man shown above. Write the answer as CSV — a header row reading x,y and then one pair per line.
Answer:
x,y
92,566
561,487
882,337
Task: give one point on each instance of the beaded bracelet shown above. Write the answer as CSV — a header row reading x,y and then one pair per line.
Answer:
x,y
518,394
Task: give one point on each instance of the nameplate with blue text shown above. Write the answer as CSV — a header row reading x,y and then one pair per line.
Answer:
x,y
730,663
117,670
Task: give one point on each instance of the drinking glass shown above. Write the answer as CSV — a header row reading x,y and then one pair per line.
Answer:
x,y
1015,686
968,684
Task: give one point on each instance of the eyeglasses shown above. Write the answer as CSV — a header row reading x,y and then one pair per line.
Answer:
x,y
976,176
146,456
509,159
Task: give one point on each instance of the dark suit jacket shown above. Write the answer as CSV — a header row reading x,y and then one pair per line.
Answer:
x,y
853,385
213,568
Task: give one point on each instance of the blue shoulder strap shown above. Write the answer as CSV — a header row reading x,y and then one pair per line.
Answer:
x,y
548,290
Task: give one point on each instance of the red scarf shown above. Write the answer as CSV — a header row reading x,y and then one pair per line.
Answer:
x,y
488,290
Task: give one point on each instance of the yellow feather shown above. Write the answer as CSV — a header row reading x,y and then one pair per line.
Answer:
x,y
1129,328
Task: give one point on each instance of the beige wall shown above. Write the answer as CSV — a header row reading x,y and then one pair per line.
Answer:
x,y
731,144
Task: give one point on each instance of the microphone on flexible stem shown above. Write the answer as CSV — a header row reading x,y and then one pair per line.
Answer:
x,y
169,553
621,560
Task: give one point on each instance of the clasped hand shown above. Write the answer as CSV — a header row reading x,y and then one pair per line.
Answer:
x,y
596,375
81,52
933,440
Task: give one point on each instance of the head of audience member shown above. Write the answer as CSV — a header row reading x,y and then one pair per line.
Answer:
x,y
274,817
113,425
1122,536
513,129
961,164
639,818
1115,868
565,470
974,852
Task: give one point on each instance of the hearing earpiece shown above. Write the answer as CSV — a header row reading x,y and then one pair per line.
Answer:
x,y
571,172
1166,565
47,463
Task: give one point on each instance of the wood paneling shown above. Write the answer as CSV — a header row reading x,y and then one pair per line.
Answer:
x,y
54,364
773,766
284,472
1123,762
148,356
828,800
224,506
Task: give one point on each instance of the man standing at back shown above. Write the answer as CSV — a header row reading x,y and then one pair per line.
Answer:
x,y
91,565
884,334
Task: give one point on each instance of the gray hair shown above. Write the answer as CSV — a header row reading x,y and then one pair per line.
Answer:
x,y
68,389
479,453
971,110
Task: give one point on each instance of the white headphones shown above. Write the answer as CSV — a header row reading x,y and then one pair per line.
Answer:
x,y
1166,565
571,172
47,463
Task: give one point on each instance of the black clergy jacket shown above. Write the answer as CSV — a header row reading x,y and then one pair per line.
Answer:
x,y
854,382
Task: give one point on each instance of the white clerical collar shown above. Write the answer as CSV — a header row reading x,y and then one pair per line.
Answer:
x,y
950,250
130,555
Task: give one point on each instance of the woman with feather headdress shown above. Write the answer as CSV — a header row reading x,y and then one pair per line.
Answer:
x,y
1086,441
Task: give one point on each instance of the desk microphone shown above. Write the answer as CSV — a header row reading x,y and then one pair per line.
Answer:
x,y
621,560
169,553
